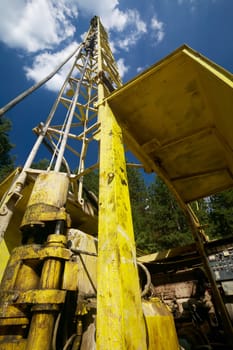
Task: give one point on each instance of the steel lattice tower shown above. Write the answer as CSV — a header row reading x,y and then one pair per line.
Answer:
x,y
79,122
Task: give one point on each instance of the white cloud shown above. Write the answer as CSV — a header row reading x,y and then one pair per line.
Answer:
x,y
46,62
122,67
108,10
36,24
193,4
140,69
135,29
112,46
127,25
158,29
180,2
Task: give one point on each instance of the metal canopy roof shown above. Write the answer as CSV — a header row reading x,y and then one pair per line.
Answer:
x,y
177,117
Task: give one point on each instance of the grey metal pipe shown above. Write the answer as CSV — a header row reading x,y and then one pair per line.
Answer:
x,y
27,92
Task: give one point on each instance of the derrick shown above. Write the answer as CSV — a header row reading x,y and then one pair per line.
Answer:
x,y
72,279
46,209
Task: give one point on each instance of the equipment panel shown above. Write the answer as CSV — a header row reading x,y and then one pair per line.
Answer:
x,y
221,263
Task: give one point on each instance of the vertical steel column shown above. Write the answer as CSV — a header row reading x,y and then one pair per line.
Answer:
x,y
120,323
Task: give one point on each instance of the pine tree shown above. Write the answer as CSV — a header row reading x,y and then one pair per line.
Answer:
x,y
169,227
6,161
91,182
42,164
220,214
139,206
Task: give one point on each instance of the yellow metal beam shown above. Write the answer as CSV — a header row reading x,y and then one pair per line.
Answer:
x,y
120,323
5,254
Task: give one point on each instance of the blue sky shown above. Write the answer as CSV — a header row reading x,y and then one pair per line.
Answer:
x,y
35,35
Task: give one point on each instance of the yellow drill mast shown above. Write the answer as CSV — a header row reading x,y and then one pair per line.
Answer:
x,y
41,273
54,232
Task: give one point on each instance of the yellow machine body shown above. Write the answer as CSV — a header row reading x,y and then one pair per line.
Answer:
x,y
48,199
161,331
5,254
43,198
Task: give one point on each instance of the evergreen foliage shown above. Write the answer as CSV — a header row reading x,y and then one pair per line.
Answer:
x,y
139,207
42,164
169,225
160,224
91,182
6,161
221,214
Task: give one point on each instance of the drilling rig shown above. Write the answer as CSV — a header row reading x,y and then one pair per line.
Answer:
x,y
69,269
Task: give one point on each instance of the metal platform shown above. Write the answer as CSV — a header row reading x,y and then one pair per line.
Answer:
x,y
177,117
